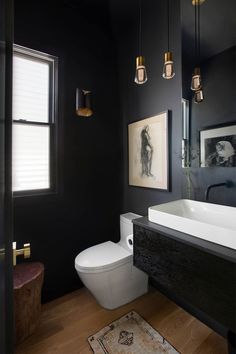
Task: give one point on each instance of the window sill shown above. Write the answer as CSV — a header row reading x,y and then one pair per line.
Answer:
x,y
36,197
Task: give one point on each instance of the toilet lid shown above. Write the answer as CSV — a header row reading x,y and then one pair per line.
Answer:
x,y
104,256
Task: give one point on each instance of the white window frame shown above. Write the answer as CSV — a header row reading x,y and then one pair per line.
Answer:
x,y
52,121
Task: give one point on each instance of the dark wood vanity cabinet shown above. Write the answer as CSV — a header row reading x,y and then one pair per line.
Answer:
x,y
197,278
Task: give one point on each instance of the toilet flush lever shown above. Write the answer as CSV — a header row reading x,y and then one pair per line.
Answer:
x,y
23,251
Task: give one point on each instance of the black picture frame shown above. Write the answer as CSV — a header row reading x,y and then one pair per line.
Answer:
x,y
217,145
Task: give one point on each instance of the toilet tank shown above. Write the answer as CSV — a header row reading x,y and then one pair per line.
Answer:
x,y
126,225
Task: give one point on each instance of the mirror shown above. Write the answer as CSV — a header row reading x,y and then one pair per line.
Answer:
x,y
212,123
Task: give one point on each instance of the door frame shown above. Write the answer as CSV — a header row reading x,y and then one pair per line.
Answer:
x,y
6,229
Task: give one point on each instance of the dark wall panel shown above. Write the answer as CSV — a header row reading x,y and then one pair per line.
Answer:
x,y
86,209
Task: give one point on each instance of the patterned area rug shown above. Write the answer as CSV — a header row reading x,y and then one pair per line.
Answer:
x,y
130,334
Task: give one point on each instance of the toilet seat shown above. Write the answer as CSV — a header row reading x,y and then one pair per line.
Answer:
x,y
102,257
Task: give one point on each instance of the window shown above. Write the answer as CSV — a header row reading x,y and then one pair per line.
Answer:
x,y
34,121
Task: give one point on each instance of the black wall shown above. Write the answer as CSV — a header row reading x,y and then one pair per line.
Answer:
x,y
86,209
93,152
156,95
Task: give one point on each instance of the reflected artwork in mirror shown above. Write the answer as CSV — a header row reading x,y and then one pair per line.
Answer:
x,y
218,146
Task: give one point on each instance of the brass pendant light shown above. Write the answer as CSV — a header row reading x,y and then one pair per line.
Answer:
x,y
198,96
196,82
140,72
168,70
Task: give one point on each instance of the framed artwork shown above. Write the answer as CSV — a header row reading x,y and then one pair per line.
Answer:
x,y
218,146
148,152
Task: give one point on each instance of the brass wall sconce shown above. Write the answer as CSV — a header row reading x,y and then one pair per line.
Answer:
x,y
23,251
83,103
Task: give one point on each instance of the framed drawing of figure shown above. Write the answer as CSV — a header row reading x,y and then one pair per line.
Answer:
x,y
148,152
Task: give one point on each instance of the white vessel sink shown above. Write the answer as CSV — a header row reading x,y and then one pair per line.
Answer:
x,y
211,222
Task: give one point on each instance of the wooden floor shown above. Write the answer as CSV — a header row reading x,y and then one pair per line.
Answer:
x,y
67,322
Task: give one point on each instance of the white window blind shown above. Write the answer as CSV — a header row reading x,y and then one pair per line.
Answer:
x,y
33,99
30,89
30,157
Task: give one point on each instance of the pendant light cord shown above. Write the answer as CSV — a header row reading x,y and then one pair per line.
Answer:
x,y
140,27
197,32
199,6
195,12
168,21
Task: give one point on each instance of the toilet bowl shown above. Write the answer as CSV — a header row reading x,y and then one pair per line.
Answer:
x,y
107,269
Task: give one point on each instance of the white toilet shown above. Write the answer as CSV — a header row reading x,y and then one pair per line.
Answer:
x,y
107,269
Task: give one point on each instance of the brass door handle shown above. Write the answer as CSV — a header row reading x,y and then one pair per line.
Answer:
x,y
2,252
22,251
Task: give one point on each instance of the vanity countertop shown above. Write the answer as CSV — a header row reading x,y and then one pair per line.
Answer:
x,y
210,247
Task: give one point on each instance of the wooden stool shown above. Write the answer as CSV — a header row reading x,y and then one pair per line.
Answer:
x,y
28,281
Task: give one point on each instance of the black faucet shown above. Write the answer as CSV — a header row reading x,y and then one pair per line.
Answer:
x,y
227,184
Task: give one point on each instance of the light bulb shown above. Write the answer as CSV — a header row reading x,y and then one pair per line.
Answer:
x,y
196,83
198,96
168,70
140,73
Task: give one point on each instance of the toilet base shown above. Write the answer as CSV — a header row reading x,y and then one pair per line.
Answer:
x,y
116,287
